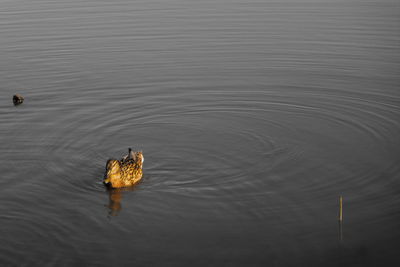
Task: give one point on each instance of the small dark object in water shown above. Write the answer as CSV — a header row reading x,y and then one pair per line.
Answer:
x,y
18,99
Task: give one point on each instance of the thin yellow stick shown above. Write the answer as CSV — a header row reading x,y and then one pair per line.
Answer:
x,y
341,208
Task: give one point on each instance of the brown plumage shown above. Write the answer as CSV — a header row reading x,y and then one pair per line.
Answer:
x,y
125,172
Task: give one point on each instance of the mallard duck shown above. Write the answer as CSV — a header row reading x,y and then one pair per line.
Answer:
x,y
125,172
18,99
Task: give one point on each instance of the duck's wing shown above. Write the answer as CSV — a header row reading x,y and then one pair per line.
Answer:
x,y
128,157
125,158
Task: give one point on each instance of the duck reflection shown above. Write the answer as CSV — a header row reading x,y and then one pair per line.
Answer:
x,y
115,199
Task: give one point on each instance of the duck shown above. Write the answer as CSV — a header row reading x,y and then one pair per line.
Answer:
x,y
18,99
124,172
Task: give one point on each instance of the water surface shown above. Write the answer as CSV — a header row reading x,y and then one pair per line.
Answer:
x,y
253,117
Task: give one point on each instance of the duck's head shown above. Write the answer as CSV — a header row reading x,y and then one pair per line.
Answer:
x,y
113,172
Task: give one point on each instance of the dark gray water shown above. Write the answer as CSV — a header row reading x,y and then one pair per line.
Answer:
x,y
253,116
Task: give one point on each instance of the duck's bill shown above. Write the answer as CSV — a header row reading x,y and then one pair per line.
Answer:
x,y
106,181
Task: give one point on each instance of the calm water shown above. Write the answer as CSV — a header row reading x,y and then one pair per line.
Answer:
x,y
253,116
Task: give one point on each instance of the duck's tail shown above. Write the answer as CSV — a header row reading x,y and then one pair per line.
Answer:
x,y
131,154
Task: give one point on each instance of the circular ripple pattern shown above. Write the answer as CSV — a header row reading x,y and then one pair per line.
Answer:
x,y
253,118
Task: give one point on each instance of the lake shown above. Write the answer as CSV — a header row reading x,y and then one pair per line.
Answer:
x,y
254,117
